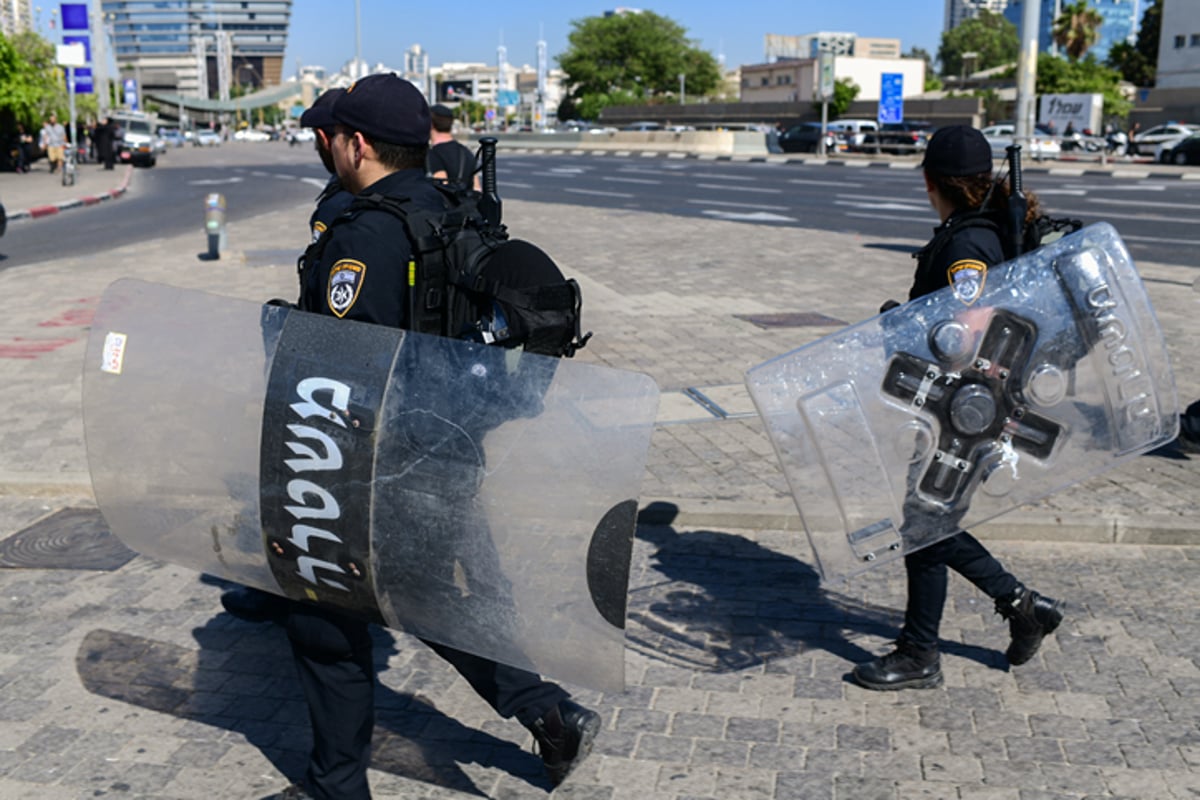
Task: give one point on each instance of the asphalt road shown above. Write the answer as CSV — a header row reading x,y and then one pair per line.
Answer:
x,y
1155,215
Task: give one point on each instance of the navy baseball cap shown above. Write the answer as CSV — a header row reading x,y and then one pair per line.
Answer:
x,y
385,108
958,150
441,111
318,116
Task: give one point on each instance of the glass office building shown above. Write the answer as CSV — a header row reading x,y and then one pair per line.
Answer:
x,y
1121,19
191,45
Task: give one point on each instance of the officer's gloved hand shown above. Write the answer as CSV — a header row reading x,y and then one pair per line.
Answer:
x,y
888,305
279,301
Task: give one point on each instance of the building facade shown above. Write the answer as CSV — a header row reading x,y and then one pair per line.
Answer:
x,y
16,16
795,80
1179,45
199,47
778,47
959,11
1121,20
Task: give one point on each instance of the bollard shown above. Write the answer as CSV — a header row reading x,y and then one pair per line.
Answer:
x,y
214,224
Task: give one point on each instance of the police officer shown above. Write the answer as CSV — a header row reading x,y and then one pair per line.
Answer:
x,y
378,144
449,160
961,189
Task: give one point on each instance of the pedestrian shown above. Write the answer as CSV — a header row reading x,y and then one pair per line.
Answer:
x,y
1131,148
377,136
103,135
959,182
449,161
22,149
53,140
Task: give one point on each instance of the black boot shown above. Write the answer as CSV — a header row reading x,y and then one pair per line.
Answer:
x,y
906,667
564,738
1031,618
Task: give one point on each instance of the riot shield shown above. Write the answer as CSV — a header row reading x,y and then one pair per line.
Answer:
x,y
475,496
902,430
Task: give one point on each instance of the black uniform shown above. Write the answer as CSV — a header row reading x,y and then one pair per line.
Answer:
x,y
361,274
957,255
453,158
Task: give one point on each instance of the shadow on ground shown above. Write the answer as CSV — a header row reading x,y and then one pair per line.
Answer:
x,y
241,679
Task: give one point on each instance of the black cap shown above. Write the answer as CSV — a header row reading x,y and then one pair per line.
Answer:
x,y
318,116
385,108
441,111
958,150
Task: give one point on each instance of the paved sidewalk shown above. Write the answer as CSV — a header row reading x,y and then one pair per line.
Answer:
x,y
125,679
39,194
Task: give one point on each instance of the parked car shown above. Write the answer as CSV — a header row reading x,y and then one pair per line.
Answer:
x,y
909,136
806,138
1042,145
251,135
853,131
1144,142
1184,151
139,144
298,135
643,126
172,136
206,137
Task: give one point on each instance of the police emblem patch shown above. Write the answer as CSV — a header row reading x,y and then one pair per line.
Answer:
x,y
967,277
318,229
345,281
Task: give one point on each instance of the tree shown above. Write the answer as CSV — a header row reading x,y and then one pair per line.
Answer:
x,y
990,36
1056,75
1138,62
1077,29
633,57
932,82
31,84
844,92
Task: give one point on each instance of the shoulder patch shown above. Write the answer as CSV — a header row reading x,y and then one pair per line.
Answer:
x,y
967,276
345,282
318,229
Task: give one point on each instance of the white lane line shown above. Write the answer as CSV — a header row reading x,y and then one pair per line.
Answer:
x,y
876,198
1142,203
649,181
320,184
555,174
1141,187
1160,240
723,188
599,193
880,206
737,205
285,177
217,181
516,185
753,216
723,177
894,217
827,183
1086,213
1072,192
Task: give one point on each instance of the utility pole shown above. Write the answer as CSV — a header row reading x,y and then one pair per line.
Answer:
x,y
359,70
1027,73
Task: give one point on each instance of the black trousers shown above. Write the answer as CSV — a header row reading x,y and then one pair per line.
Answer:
x,y
928,579
334,661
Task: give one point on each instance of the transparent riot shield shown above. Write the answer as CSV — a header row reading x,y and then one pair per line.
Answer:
x,y
901,430
475,496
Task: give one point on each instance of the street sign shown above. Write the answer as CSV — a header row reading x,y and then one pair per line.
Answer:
x,y
74,16
131,93
508,98
891,97
826,85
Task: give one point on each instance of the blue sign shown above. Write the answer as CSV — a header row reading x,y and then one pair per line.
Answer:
x,y
131,93
891,97
508,97
74,16
83,80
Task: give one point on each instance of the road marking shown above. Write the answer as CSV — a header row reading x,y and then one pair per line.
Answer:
x,y
753,216
1072,192
737,205
555,174
760,190
632,180
876,198
1083,213
880,206
890,217
217,181
599,193
1143,187
320,184
1159,240
827,183
1141,203
517,185
720,176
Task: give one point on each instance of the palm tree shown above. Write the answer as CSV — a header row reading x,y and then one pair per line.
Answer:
x,y
1077,29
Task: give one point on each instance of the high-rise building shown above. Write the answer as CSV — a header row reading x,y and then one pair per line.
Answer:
x,y
1179,46
16,16
1121,19
959,11
777,47
242,43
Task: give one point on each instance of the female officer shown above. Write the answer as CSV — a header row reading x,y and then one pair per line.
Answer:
x,y
958,179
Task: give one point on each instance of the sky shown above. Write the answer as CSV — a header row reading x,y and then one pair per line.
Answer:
x,y
323,31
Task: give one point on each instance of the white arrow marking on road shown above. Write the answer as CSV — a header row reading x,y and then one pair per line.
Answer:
x,y
216,181
755,216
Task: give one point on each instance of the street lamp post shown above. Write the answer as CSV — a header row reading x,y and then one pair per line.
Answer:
x,y
682,95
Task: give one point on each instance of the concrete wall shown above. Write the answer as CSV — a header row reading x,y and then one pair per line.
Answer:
x,y
719,143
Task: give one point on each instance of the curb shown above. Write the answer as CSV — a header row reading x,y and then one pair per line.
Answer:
x,y
781,515
37,212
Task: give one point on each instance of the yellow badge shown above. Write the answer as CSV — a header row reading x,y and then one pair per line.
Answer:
x,y
345,282
967,277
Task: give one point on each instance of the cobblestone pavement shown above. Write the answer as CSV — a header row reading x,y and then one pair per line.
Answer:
x,y
123,678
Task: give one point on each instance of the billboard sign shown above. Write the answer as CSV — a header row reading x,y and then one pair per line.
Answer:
x,y
456,90
891,97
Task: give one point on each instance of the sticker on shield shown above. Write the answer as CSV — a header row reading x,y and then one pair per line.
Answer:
x,y
345,281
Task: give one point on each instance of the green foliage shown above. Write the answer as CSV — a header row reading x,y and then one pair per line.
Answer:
x,y
844,92
633,58
990,35
31,84
1138,63
1077,29
1056,75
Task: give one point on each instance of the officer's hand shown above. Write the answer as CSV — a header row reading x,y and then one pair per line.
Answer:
x,y
278,301
888,305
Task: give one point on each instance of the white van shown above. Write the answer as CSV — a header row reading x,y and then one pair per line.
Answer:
x,y
853,131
